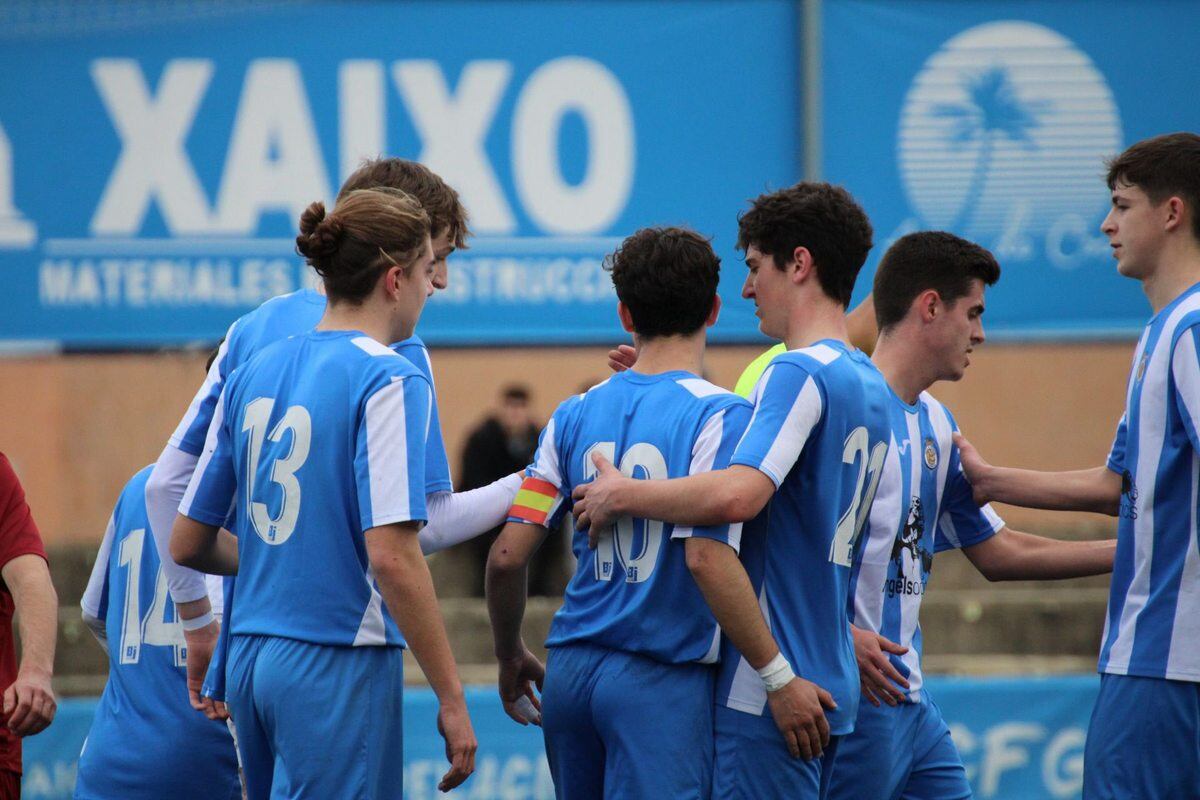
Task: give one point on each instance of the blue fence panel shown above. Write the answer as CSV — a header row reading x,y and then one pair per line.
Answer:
x,y
154,158
993,120
1021,739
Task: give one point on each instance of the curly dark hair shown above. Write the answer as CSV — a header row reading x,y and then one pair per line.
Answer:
x,y
667,278
438,198
821,217
926,260
1163,166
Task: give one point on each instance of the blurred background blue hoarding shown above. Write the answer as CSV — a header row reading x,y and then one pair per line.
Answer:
x,y
994,120
155,158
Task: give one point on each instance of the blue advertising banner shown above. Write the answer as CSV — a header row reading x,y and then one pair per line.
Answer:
x,y
993,120
154,158
1020,738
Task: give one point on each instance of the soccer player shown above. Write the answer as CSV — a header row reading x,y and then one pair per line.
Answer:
x,y
802,478
127,606
631,649
453,517
929,300
1143,737
330,571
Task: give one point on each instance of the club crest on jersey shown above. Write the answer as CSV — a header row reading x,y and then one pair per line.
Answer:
x,y
931,455
1141,369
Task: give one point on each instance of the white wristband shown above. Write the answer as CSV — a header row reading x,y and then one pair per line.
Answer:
x,y
196,623
777,673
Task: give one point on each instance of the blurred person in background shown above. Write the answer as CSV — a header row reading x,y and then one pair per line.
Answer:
x,y
29,704
132,750
503,444
1144,736
315,677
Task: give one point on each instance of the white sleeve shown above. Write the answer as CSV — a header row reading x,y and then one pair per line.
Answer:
x,y
455,517
164,491
94,593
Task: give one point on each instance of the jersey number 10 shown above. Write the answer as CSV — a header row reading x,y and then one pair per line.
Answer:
x,y
617,542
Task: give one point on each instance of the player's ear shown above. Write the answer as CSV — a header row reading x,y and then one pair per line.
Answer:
x,y
1174,207
801,266
714,312
393,277
928,305
625,317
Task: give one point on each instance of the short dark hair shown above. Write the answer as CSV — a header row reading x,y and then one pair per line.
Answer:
x,y
819,216
1162,167
667,278
213,355
926,260
368,231
515,393
438,198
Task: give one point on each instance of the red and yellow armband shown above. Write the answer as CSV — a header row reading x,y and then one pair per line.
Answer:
x,y
535,502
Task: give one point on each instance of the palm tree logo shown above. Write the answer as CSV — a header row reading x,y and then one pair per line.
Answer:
x,y
992,111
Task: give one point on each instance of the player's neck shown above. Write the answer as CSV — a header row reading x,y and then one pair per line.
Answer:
x,y
1178,270
815,319
670,353
901,363
376,322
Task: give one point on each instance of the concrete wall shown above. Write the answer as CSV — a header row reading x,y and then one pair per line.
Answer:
x,y
78,426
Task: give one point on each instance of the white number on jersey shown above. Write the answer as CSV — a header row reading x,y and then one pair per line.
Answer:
x,y
870,462
618,545
155,629
283,472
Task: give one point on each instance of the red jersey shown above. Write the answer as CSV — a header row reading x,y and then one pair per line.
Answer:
x,y
18,536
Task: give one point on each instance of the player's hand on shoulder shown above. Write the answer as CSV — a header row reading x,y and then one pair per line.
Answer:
x,y
454,725
29,704
974,467
879,678
621,358
518,677
799,711
595,501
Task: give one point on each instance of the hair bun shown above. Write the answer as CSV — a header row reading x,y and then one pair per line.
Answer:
x,y
320,236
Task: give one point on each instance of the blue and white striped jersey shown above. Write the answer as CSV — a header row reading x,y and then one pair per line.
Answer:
x,y
820,431
315,440
133,750
1152,628
634,592
923,506
279,318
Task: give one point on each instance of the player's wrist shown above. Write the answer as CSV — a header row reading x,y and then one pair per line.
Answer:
x,y
776,674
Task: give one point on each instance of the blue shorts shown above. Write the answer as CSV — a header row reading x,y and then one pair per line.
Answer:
x,y
753,763
1144,740
314,721
622,725
902,751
